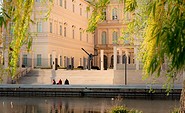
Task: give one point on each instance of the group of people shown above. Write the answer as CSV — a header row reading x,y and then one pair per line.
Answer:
x,y
60,82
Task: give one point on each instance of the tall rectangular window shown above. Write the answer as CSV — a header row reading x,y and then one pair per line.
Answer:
x,y
80,35
87,38
65,4
56,28
11,28
64,31
39,26
60,60
81,11
73,8
87,14
60,30
25,62
73,32
50,27
39,60
61,3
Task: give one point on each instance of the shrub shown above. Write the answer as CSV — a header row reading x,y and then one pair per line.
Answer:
x,y
119,109
122,109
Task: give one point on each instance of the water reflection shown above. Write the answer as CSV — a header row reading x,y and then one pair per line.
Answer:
x,y
80,105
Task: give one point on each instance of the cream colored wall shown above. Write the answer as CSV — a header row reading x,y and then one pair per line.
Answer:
x,y
45,42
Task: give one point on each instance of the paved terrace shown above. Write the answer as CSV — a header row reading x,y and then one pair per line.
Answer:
x,y
126,91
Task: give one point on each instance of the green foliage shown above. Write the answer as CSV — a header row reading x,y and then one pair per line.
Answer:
x,y
97,13
18,12
122,109
162,31
175,110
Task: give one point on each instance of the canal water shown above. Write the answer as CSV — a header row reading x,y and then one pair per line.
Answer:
x,y
81,105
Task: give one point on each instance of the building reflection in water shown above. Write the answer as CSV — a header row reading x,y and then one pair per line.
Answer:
x,y
80,105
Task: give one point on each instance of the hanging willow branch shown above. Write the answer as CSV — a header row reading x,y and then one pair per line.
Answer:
x,y
21,17
18,14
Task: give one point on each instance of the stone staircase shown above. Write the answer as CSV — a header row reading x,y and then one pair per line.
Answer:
x,y
92,77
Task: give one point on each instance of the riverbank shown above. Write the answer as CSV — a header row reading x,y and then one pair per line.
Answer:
x,y
125,91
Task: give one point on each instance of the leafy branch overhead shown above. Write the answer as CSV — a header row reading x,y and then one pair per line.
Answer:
x,y
98,8
160,25
16,19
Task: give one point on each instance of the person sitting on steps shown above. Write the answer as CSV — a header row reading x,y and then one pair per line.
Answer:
x,y
59,82
66,82
54,82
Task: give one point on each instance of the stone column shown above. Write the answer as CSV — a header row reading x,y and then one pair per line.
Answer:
x,y
115,57
127,55
120,56
136,61
53,59
102,58
32,60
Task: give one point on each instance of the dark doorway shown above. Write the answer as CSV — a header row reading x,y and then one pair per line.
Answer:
x,y
56,63
112,60
123,59
105,62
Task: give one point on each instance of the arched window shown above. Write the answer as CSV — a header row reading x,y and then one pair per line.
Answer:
x,y
126,40
114,14
114,37
103,37
61,3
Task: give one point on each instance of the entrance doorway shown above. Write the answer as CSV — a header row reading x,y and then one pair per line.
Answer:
x,y
105,62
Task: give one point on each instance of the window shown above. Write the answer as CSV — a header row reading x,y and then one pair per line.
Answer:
x,y
73,8
60,60
11,28
25,60
73,33
37,0
60,30
126,41
104,13
87,14
65,4
39,60
80,61
80,35
61,3
127,16
50,59
65,61
81,11
39,26
56,28
114,14
103,37
64,31
50,27
87,37
114,37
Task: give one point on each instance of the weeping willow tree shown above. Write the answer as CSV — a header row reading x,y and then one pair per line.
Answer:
x,y
16,19
161,26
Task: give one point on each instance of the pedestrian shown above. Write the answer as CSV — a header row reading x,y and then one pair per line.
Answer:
x,y
66,82
54,82
59,82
